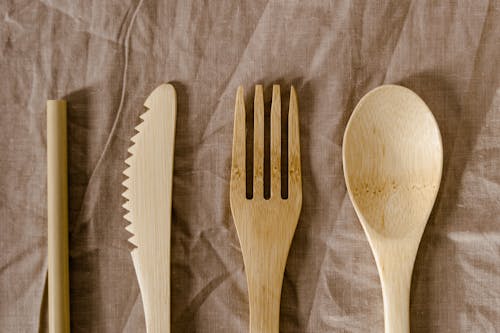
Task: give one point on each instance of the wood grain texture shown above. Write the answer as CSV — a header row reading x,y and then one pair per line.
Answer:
x,y
149,194
393,157
265,226
57,215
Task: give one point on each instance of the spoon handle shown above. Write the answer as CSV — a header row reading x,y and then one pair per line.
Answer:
x,y
396,293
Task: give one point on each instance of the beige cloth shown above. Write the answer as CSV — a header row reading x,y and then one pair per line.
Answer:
x,y
105,57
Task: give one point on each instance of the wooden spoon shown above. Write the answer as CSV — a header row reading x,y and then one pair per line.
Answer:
x,y
393,159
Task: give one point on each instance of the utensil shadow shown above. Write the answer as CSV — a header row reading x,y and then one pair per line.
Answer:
x,y
294,298
97,235
182,309
82,260
437,253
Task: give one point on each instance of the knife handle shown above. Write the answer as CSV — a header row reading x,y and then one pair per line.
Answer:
x,y
57,214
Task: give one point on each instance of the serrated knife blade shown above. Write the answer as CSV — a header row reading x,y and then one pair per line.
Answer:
x,y
149,201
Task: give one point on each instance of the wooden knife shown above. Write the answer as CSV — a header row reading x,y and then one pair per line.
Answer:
x,y
149,202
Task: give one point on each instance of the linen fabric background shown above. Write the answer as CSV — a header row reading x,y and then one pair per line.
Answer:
x,y
105,57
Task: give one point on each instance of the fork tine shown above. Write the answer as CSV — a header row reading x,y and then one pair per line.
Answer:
x,y
258,143
294,170
238,181
276,142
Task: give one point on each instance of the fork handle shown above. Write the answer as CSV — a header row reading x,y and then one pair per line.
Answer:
x,y
265,267
264,293
396,284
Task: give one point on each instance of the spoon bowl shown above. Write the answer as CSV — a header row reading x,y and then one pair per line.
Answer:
x,y
393,158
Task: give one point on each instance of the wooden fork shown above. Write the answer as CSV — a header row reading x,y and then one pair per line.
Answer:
x,y
265,226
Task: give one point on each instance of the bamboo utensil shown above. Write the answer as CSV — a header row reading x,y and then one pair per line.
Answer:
x,y
265,226
57,215
149,195
393,157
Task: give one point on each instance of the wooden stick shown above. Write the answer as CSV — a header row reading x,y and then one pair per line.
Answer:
x,y
57,212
